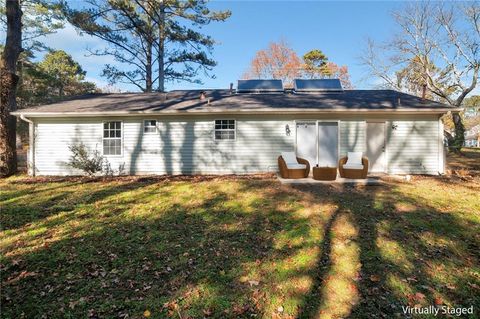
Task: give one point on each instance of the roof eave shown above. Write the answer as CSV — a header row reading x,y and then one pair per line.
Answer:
x,y
253,112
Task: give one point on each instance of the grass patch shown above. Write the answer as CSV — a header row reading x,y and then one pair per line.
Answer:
x,y
465,164
232,247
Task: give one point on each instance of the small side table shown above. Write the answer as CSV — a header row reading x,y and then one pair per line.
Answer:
x,y
324,173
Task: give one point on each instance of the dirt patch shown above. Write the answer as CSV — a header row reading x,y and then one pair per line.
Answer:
x,y
139,178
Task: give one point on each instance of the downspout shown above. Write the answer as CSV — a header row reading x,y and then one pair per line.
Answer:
x,y
31,142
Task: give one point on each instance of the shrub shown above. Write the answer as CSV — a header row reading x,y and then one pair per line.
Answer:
x,y
84,160
109,171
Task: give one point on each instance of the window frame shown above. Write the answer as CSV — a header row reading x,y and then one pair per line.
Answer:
x,y
156,127
225,130
110,138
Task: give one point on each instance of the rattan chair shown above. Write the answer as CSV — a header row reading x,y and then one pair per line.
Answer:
x,y
292,173
353,173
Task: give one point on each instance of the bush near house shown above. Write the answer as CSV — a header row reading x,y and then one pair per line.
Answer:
x,y
230,247
83,159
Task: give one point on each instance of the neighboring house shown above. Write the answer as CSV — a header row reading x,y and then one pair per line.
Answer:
x,y
240,131
472,137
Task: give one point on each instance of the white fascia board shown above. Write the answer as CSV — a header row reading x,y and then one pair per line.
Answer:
x,y
210,112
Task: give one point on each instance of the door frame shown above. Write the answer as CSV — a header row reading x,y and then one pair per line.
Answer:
x,y
385,144
296,122
316,134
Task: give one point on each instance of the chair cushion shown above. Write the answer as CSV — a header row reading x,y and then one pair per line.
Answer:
x,y
289,157
353,166
354,158
296,166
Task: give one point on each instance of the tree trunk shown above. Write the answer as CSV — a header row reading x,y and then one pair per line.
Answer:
x,y
459,139
161,50
20,80
149,47
8,88
148,68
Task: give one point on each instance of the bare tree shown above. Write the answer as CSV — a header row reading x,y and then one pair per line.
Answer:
x,y
8,85
440,45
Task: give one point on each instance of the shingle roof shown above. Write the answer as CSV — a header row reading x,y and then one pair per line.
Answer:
x,y
222,101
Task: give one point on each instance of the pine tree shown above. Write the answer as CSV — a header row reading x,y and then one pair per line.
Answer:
x,y
150,36
62,70
315,64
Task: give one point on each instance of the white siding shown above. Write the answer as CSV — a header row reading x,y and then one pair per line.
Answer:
x,y
186,144
412,147
52,140
189,147
181,145
352,137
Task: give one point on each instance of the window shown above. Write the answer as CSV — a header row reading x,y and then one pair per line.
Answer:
x,y
150,126
112,138
224,129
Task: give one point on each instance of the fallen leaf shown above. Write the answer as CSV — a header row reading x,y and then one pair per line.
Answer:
x,y
451,287
419,296
473,285
375,278
147,313
207,312
16,262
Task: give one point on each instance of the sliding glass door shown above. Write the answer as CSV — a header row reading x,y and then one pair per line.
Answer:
x,y
307,141
327,144
317,142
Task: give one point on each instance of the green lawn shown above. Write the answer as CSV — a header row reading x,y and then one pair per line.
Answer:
x,y
236,247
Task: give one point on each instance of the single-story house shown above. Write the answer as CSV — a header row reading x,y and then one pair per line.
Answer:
x,y
472,137
240,131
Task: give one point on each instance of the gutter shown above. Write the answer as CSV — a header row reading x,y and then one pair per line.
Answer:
x,y
22,116
246,112
31,142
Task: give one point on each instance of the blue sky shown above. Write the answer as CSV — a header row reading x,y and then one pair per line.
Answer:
x,y
338,28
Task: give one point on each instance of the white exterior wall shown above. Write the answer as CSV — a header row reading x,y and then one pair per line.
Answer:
x,y
352,136
181,145
413,147
186,145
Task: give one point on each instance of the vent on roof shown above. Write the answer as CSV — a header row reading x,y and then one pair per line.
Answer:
x,y
259,86
317,85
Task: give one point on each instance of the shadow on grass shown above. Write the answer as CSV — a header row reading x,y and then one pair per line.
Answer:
x,y
28,200
313,300
400,254
184,249
215,248
36,202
